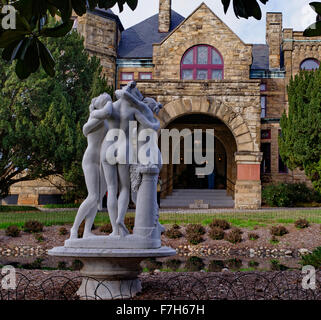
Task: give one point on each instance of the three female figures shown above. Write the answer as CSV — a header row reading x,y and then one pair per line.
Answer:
x,y
102,164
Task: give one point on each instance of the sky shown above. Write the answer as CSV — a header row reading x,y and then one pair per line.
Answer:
x,y
297,14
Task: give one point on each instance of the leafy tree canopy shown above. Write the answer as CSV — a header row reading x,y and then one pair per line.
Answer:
x,y
41,118
300,141
27,43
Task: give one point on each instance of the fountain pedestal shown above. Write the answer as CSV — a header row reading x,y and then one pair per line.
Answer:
x,y
110,273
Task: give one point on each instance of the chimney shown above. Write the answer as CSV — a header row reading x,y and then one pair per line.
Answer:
x,y
274,37
165,10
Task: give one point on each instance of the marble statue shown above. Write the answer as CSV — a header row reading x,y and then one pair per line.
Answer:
x,y
112,263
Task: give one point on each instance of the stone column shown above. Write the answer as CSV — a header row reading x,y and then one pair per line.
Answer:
x,y
248,183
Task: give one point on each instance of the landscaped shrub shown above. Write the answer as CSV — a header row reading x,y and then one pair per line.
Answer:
x,y
195,229
253,236
312,259
302,223
173,233
279,231
130,223
220,223
194,238
176,226
234,264
234,236
106,228
13,231
194,264
62,265
36,264
253,264
173,264
39,237
216,233
33,226
216,266
63,231
287,194
277,266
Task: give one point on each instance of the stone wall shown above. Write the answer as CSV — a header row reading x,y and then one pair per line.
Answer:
x,y
136,71
202,27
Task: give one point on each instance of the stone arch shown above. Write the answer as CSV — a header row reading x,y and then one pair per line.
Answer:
x,y
213,107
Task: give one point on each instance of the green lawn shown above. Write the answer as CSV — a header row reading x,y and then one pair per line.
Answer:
x,y
245,220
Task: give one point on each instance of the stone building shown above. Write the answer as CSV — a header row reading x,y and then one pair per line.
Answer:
x,y
206,77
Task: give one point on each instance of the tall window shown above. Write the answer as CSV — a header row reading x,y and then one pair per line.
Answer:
x,y
202,63
310,64
263,106
266,162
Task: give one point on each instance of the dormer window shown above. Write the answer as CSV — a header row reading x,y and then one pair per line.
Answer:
x,y
202,62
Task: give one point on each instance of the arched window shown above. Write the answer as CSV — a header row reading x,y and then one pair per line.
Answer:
x,y
310,64
202,62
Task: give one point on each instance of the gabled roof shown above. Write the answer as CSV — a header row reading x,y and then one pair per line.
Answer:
x,y
137,41
260,57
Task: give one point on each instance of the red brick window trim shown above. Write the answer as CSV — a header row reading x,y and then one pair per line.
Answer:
x,y
127,76
145,75
202,62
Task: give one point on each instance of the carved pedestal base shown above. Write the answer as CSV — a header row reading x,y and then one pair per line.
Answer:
x,y
110,273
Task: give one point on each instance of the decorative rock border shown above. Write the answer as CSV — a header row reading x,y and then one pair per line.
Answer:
x,y
22,251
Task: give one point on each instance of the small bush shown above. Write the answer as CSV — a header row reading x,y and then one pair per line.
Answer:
x,y
220,223
33,226
312,259
63,231
234,264
277,266
62,265
279,231
173,233
253,264
216,233
234,236
195,229
176,226
194,264
76,265
130,223
194,238
106,228
13,231
36,264
253,236
216,266
287,194
173,264
302,223
39,237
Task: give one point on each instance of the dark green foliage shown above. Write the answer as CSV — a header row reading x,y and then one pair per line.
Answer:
x,y
234,236
245,9
17,208
33,226
253,264
234,264
63,231
287,194
279,231
302,223
39,237
194,238
314,29
216,233
36,264
216,266
194,264
312,259
41,118
195,229
173,264
13,231
62,265
277,266
300,142
173,233
253,236
76,265
106,228
220,223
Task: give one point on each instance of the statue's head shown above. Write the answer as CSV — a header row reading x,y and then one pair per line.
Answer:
x,y
153,105
99,102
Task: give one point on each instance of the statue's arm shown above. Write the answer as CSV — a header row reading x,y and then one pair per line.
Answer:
x,y
104,113
155,125
90,126
141,106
